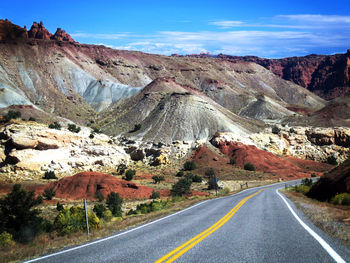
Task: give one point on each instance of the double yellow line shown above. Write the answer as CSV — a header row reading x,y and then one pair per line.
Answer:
x,y
179,251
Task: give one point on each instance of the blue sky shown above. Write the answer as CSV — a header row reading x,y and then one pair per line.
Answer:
x,y
271,29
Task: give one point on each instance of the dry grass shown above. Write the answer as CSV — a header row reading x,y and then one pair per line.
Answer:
x,y
333,219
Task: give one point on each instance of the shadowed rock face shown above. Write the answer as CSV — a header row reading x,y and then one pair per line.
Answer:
x,y
332,183
327,76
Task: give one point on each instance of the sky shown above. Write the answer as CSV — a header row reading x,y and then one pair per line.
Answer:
x,y
271,28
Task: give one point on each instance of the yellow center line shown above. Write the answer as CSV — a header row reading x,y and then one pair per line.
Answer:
x,y
179,251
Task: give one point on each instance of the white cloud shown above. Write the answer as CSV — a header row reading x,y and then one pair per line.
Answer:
x,y
226,24
317,18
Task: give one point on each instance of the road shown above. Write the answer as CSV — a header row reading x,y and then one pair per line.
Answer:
x,y
255,225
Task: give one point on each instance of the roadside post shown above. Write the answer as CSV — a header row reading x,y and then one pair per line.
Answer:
x,y
86,217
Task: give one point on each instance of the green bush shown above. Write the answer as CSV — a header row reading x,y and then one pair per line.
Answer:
x,y
55,125
183,186
195,178
96,130
158,178
114,203
99,209
99,196
49,193
291,130
232,161
70,220
249,167
306,181
332,160
49,175
304,189
107,215
12,115
210,172
180,173
121,168
136,127
212,183
91,136
276,130
18,216
73,128
146,208
155,195
6,240
341,199
129,175
31,119
189,166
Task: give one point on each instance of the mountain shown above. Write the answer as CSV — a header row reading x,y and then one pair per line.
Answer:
x,y
326,76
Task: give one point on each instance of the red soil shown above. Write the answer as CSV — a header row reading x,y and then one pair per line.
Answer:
x,y
269,163
85,184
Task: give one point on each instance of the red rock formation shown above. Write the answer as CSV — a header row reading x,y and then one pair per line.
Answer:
x,y
9,31
38,31
62,35
336,181
85,184
327,76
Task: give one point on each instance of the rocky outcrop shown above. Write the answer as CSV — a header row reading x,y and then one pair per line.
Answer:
x,y
9,31
62,35
33,148
38,31
306,142
335,182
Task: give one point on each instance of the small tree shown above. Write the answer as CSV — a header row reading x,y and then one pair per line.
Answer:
x,y
249,167
155,195
18,216
59,206
180,173
183,186
332,160
55,125
306,181
49,175
121,168
114,203
12,115
31,119
275,130
189,166
49,193
136,127
157,179
99,196
195,178
129,175
99,210
210,172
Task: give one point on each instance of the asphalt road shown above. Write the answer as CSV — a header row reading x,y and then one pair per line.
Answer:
x,y
239,228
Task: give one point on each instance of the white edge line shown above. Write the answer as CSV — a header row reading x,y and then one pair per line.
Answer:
x,y
319,239
136,228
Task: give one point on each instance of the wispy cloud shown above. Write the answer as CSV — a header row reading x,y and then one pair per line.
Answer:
x,y
317,18
101,36
226,24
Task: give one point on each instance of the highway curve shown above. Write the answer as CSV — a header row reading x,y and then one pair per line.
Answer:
x,y
255,225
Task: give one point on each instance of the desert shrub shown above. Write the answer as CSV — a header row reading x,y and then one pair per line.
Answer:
x,y
136,127
49,193
59,206
55,125
91,136
70,220
99,196
129,175
249,167
276,130
313,175
158,178
6,240
96,130
306,181
304,189
49,175
332,160
121,168
341,199
225,191
99,209
155,195
195,178
232,161
212,183
31,119
12,115
146,208
180,173
114,203
189,166
107,215
291,130
73,128
183,186
18,216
